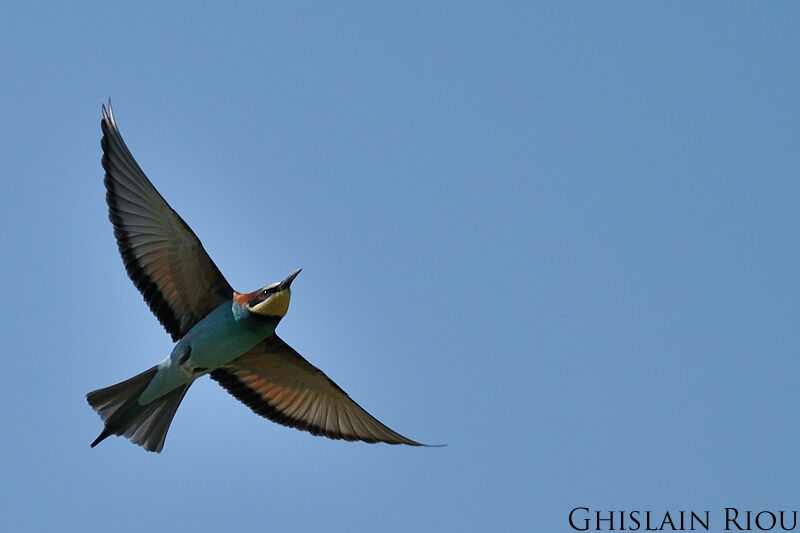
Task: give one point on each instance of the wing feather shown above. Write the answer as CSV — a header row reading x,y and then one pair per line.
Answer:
x,y
162,255
276,382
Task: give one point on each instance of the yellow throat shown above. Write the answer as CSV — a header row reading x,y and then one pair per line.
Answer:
x,y
276,305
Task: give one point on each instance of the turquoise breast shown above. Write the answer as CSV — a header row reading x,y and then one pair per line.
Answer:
x,y
219,338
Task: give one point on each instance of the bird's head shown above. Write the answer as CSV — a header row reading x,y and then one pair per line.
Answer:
x,y
269,301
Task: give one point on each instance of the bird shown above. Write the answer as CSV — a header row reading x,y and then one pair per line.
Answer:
x,y
216,330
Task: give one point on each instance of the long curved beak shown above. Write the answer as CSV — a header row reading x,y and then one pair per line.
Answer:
x,y
288,281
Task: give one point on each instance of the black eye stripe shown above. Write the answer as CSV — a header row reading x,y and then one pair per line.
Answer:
x,y
261,296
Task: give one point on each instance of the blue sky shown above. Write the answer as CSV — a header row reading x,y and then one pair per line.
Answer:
x,y
561,238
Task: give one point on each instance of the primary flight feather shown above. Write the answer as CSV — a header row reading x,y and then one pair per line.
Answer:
x,y
218,331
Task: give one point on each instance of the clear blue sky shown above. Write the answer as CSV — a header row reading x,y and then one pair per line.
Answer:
x,y
561,238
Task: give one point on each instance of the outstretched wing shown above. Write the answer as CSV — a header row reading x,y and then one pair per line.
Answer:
x,y
277,383
162,255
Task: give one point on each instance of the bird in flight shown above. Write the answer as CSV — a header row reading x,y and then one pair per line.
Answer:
x,y
217,330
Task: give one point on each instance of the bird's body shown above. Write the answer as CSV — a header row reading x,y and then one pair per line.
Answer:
x,y
218,331
220,337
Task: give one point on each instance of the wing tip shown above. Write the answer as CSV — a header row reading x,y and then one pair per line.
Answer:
x,y
108,121
409,442
108,113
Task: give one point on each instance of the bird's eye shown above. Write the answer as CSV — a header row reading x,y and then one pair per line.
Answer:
x,y
265,292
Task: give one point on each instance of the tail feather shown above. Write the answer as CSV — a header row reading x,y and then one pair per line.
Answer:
x,y
145,425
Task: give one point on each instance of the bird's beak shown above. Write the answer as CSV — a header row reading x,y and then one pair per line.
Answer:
x,y
288,281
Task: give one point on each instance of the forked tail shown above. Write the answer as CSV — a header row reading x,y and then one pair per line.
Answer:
x,y
145,425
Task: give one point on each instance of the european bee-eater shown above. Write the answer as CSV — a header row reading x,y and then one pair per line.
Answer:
x,y
218,331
